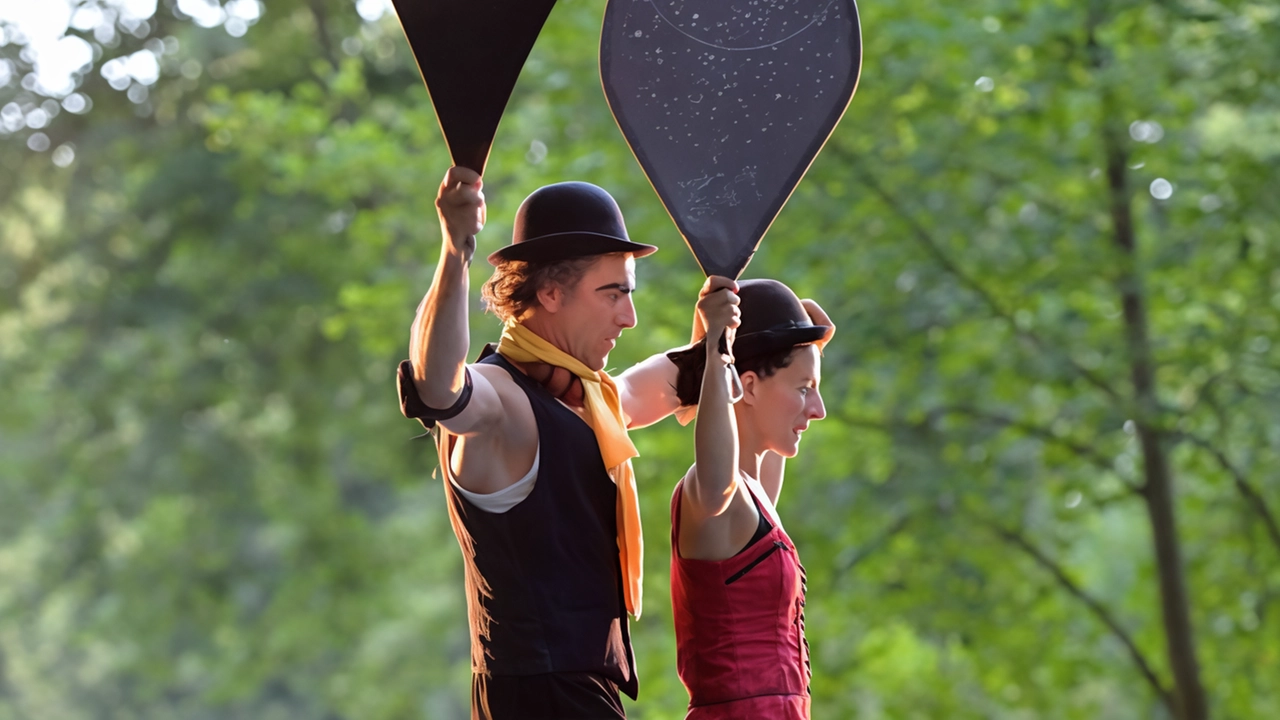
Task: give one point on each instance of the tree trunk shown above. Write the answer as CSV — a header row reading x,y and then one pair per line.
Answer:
x,y
1192,703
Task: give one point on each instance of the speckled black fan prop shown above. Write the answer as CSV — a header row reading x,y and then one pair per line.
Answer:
x,y
470,53
725,104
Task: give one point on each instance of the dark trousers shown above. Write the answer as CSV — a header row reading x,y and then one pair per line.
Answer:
x,y
554,696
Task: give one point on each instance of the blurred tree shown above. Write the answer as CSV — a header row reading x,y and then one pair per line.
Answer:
x,y
1074,306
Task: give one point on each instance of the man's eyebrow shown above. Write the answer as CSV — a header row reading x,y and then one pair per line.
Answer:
x,y
616,286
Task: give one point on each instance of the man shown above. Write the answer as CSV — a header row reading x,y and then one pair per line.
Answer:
x,y
534,447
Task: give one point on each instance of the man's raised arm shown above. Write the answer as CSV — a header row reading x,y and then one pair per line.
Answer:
x,y
648,389
440,336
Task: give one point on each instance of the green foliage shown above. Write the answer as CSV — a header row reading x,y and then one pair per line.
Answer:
x,y
210,506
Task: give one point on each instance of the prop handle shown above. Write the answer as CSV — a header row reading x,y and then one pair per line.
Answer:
x,y
735,383
468,250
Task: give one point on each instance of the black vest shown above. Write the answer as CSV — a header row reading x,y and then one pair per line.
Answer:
x,y
544,581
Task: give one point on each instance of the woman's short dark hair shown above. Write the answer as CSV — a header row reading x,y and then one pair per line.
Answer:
x,y
513,288
692,364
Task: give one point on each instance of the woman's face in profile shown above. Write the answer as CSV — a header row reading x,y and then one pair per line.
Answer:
x,y
788,400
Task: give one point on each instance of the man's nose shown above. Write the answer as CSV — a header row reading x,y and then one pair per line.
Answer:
x,y
627,318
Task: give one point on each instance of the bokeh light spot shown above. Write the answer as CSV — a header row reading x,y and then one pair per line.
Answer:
x,y
64,155
75,103
38,142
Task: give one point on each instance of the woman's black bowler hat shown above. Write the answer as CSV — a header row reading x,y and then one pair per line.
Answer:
x,y
568,220
772,319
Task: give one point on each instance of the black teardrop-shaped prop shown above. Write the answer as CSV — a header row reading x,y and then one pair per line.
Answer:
x,y
726,104
470,53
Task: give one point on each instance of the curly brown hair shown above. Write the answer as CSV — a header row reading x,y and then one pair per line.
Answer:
x,y
512,290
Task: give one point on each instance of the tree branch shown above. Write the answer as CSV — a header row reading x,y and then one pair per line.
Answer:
x,y
879,541
1250,493
1040,432
1037,431
1099,611
321,16
935,249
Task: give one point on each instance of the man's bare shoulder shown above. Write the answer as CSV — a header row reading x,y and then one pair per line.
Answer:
x,y
496,402
516,410
491,460
495,374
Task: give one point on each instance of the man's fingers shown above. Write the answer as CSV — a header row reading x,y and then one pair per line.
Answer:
x,y
463,196
817,315
461,188
461,201
458,175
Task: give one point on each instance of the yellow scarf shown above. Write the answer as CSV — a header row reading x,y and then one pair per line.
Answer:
x,y
603,410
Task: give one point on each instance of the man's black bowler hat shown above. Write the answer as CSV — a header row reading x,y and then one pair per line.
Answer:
x,y
772,319
568,220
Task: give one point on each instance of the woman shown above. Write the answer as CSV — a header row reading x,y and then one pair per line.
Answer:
x,y
737,586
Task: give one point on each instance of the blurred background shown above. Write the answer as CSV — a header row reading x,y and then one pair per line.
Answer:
x,y
1048,485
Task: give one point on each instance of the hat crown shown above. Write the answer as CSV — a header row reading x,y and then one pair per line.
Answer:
x,y
568,207
769,305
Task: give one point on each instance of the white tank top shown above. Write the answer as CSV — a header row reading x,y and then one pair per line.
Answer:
x,y
506,498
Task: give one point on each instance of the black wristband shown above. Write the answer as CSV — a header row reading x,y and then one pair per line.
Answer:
x,y
411,404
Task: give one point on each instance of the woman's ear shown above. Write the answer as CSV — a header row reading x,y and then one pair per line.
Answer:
x,y
750,387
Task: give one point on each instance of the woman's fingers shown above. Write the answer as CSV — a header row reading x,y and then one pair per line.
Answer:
x,y
717,282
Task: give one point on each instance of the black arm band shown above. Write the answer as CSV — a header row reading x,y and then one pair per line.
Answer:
x,y
411,404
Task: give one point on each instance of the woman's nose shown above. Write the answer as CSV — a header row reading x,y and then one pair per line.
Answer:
x,y
817,410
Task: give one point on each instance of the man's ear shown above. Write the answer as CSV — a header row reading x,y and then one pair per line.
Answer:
x,y
750,387
551,297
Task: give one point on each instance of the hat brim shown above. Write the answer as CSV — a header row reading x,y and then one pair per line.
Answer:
x,y
766,341
562,246
756,343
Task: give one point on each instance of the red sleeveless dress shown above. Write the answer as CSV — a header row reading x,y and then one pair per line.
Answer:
x,y
740,645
